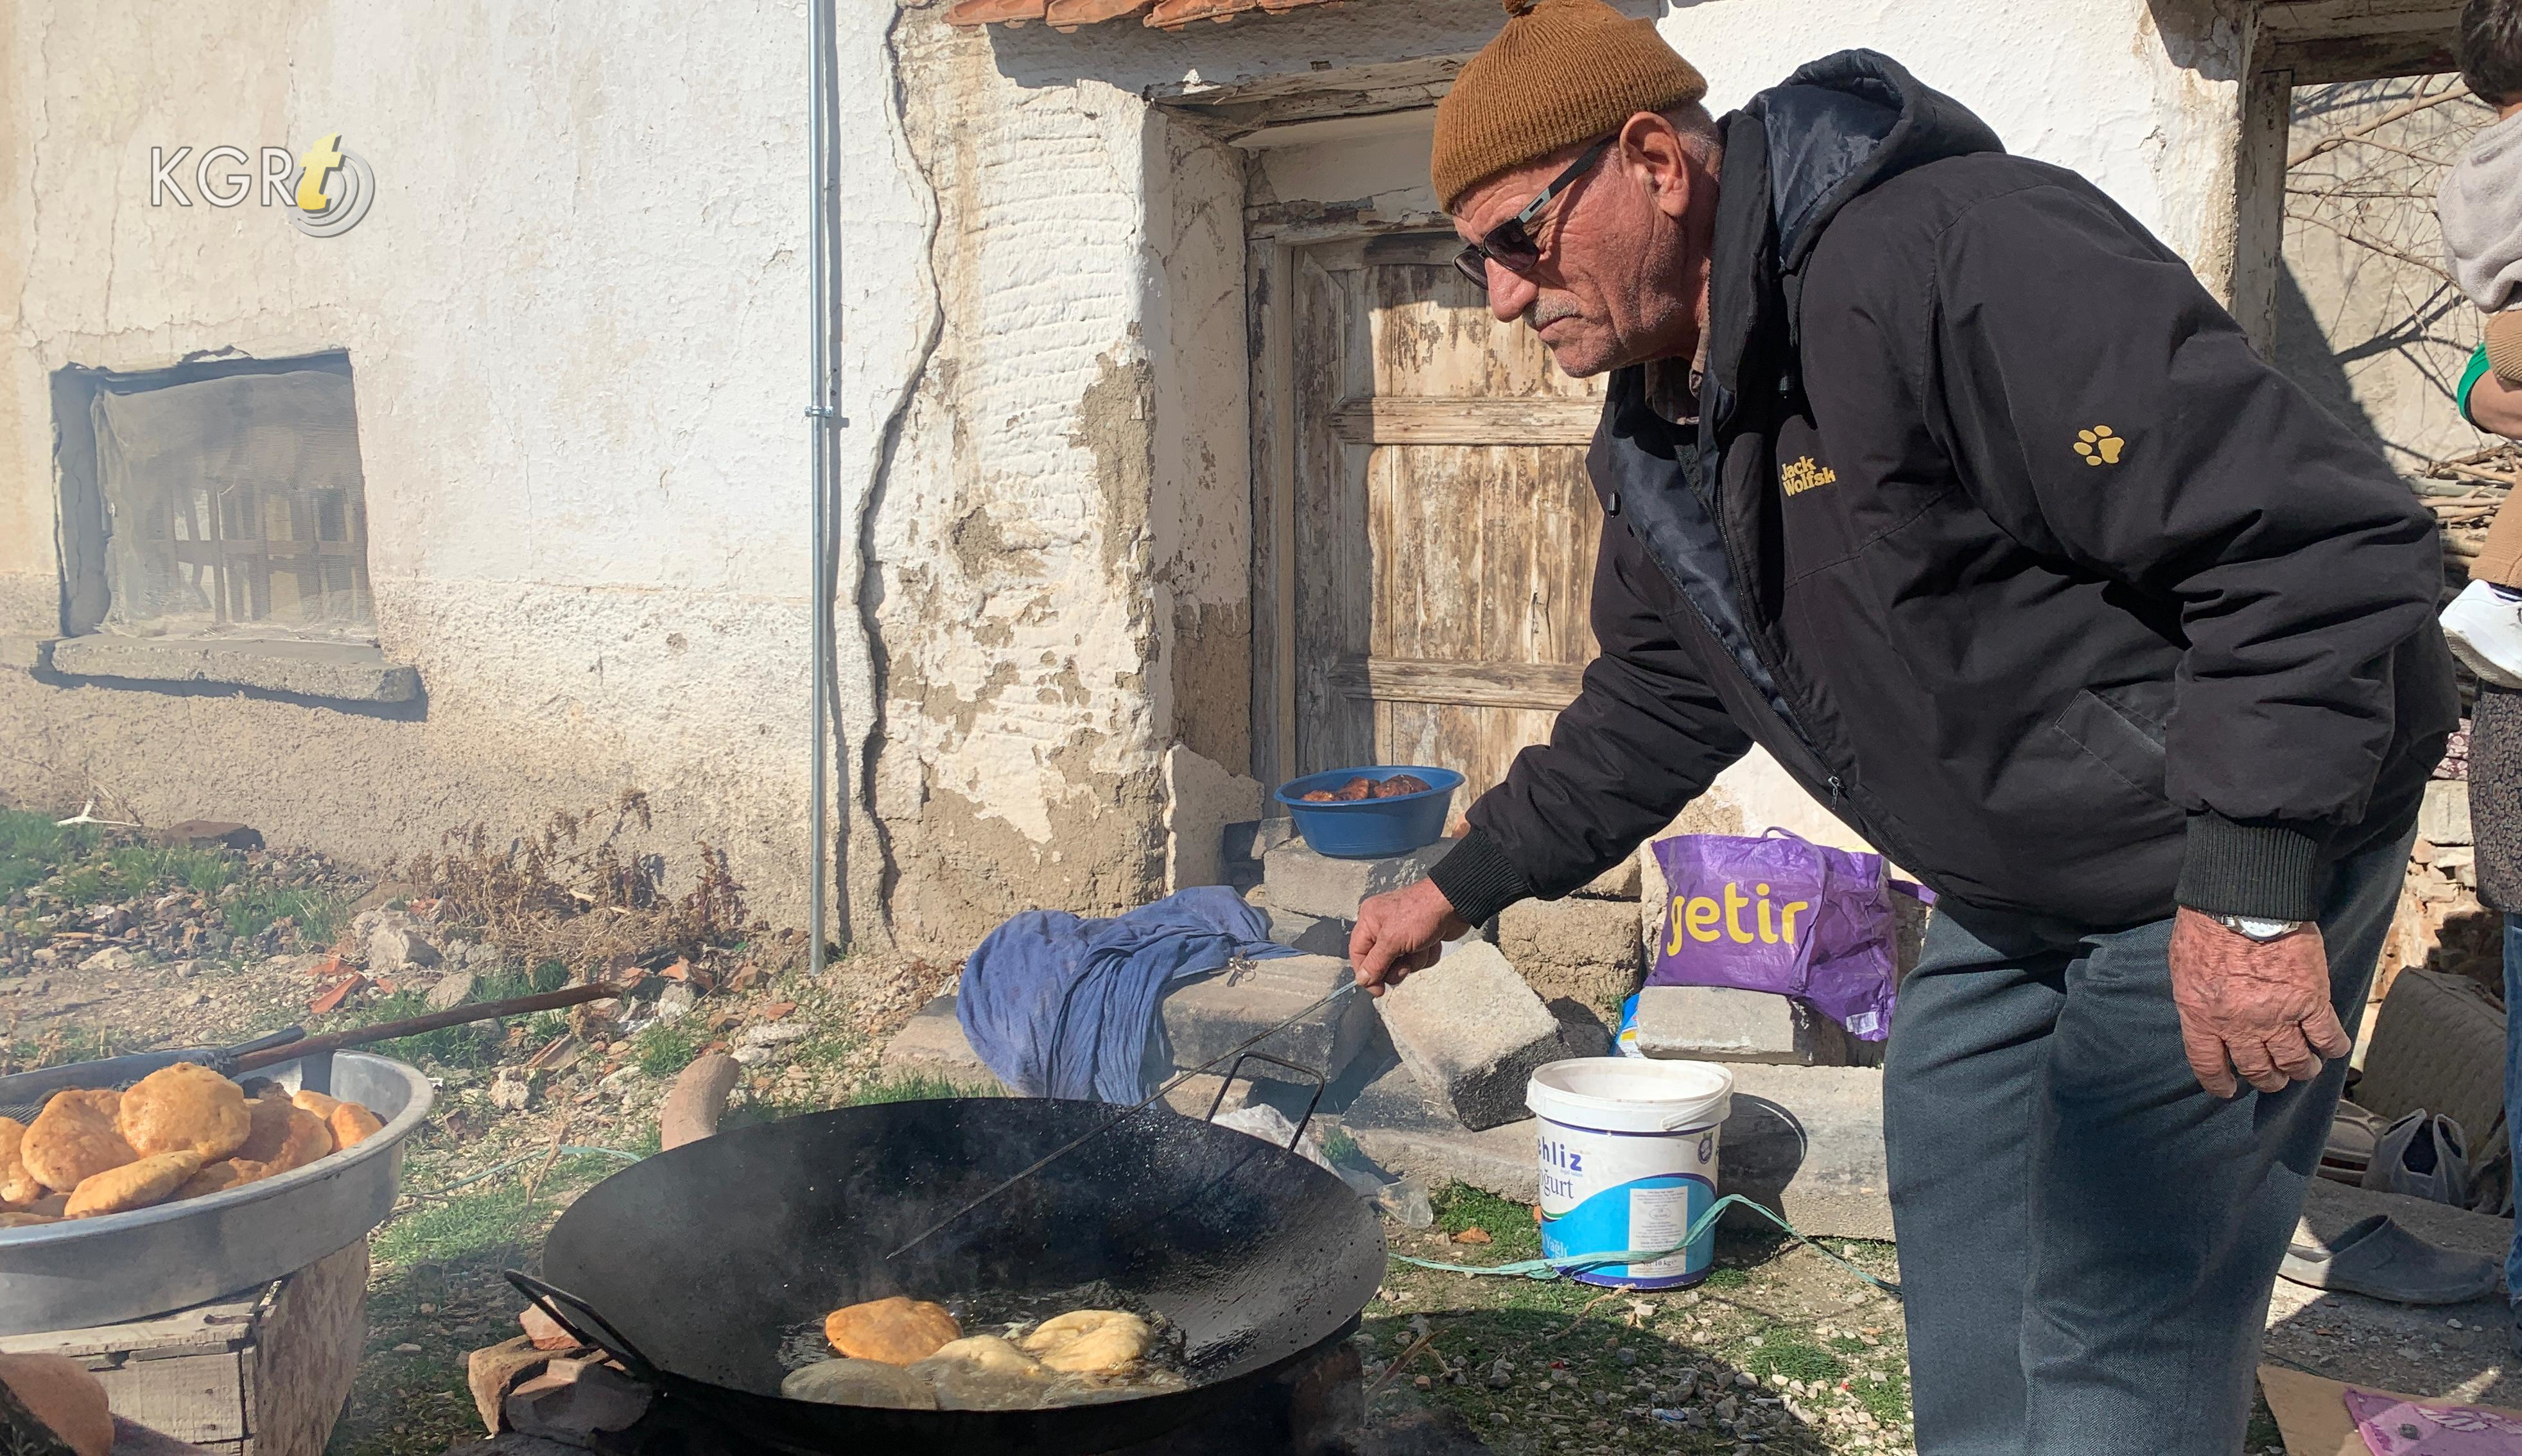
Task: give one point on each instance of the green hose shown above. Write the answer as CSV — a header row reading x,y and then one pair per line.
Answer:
x,y
1549,1269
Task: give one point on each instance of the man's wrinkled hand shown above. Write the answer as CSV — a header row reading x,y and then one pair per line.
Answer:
x,y
2257,1007
1401,932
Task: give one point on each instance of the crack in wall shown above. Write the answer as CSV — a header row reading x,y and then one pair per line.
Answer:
x,y
863,818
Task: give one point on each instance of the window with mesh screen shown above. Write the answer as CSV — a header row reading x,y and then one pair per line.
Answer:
x,y
233,506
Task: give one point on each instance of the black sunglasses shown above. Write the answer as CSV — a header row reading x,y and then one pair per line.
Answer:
x,y
1510,245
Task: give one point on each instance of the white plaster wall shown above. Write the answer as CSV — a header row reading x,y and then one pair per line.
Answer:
x,y
577,316
2139,95
576,319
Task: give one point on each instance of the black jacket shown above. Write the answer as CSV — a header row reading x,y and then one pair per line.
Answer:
x,y
1995,532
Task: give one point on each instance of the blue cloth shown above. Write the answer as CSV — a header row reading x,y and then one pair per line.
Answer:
x,y
1064,1007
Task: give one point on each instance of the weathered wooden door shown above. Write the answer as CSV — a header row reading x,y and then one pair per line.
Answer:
x,y
1443,539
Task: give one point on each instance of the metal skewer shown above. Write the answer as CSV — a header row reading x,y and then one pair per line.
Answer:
x,y
1117,1118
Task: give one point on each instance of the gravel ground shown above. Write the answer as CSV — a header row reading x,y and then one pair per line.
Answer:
x,y
109,946
1780,1349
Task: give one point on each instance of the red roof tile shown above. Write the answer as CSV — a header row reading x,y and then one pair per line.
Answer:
x,y
983,12
1068,15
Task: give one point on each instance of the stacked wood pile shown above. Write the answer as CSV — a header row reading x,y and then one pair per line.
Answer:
x,y
2465,492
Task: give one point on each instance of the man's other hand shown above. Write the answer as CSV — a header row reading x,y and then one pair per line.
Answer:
x,y
1401,932
2257,1007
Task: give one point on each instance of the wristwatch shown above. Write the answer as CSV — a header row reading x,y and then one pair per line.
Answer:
x,y
2252,927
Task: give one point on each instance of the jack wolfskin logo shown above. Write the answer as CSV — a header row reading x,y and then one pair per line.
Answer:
x,y
1802,475
2099,446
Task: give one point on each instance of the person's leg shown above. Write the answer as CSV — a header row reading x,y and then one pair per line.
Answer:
x,y
2164,1211
2512,1104
1961,1081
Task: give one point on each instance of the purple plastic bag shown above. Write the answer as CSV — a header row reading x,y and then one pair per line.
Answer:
x,y
1783,915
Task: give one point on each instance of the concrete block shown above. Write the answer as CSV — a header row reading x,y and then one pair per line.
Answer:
x,y
1398,1124
1583,1031
338,672
1472,1031
1247,840
931,1044
1325,888
1619,882
1314,937
2443,817
1807,1141
27,654
1208,1016
1202,798
1719,1023
1579,948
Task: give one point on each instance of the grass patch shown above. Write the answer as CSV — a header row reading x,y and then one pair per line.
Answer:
x,y
461,1227
667,1047
474,1044
33,847
1511,1232
1794,1358
913,1087
317,915
1885,1397
141,866
504,984
84,886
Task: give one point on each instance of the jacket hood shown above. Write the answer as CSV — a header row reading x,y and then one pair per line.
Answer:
x,y
1846,124
1794,155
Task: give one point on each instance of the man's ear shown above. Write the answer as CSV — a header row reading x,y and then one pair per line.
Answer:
x,y
1651,153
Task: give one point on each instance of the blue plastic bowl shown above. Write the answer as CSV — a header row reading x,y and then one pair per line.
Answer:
x,y
1370,829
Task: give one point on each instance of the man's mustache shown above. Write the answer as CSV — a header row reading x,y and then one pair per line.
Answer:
x,y
1541,311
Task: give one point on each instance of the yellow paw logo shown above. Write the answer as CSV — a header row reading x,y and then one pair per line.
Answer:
x,y
2099,446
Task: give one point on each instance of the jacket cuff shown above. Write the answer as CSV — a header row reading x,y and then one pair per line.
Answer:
x,y
2261,870
1478,879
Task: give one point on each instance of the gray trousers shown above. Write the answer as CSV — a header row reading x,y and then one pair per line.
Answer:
x,y
2088,1238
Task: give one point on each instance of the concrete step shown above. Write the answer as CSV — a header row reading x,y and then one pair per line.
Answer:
x,y
1318,885
932,1044
1209,1016
1807,1141
1723,1023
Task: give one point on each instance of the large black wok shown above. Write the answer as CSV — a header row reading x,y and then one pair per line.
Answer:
x,y
700,1259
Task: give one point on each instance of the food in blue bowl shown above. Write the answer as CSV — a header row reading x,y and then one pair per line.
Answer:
x,y
1369,813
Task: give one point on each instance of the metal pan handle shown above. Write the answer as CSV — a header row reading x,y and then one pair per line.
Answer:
x,y
1303,1073
597,1331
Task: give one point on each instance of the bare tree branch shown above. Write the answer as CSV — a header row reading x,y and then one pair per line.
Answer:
x,y
2370,245
2404,109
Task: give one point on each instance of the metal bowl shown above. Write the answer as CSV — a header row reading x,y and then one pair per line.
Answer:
x,y
126,1266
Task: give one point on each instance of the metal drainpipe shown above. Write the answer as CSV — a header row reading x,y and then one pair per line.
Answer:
x,y
823,415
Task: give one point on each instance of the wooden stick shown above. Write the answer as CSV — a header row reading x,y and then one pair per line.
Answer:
x,y
386,1031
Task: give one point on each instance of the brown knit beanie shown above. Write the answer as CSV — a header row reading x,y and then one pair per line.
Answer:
x,y
1562,71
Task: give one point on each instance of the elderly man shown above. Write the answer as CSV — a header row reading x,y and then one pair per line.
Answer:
x,y
1928,470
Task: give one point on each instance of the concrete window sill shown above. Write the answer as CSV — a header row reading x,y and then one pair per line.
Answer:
x,y
338,672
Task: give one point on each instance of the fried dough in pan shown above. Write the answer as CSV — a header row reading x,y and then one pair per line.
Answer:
x,y
135,1185
181,1108
75,1138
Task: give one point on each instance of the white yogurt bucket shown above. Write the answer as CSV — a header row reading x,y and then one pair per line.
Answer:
x,y
1628,1161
